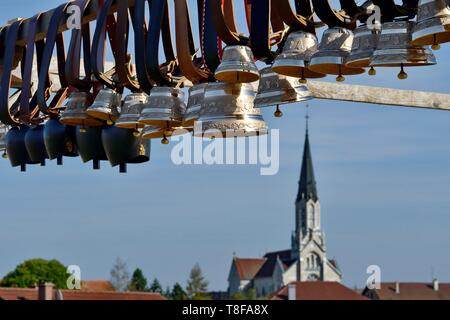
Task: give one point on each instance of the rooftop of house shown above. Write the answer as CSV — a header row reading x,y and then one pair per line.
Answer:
x,y
410,291
319,290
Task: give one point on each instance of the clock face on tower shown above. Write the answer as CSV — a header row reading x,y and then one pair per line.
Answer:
x,y
313,277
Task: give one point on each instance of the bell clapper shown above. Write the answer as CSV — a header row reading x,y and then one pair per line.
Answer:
x,y
165,140
109,122
436,46
340,77
303,79
372,71
402,74
5,155
83,128
278,113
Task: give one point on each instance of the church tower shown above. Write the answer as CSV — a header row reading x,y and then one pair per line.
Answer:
x,y
308,241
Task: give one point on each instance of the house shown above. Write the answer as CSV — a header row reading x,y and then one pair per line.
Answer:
x,y
46,291
409,291
316,290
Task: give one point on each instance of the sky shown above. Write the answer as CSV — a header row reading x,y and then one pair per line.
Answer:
x,y
382,173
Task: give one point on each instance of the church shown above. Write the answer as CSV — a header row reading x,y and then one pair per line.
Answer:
x,y
306,260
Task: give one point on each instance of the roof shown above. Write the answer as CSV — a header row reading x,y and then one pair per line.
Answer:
x,y
32,294
319,290
307,184
271,260
410,291
248,268
96,285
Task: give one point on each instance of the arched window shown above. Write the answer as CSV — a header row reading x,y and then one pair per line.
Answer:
x,y
311,216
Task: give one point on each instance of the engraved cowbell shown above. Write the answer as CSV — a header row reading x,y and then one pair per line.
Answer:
x,y
433,23
194,105
334,50
164,111
106,106
228,111
237,66
364,45
395,49
75,114
275,89
131,112
296,55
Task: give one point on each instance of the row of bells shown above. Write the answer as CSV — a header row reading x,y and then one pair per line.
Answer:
x,y
344,52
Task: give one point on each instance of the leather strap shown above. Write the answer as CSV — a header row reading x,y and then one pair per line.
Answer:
x,y
298,19
390,10
53,38
28,104
185,42
140,34
79,37
106,24
211,44
224,23
330,17
12,32
160,25
260,28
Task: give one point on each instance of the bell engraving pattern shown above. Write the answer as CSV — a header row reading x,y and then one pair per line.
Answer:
x,y
433,23
237,66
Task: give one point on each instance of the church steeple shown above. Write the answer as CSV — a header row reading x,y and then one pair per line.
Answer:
x,y
307,184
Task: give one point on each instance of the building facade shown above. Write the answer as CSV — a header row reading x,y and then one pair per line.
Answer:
x,y
306,260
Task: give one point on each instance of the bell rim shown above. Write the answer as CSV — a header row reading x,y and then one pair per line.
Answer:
x,y
431,35
333,66
297,72
290,101
102,114
80,120
128,125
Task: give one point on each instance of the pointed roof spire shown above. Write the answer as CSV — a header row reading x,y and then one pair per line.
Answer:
x,y
307,184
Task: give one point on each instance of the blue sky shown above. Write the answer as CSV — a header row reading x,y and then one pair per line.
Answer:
x,y
382,175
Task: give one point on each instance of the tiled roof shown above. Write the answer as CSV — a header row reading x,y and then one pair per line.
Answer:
x,y
410,291
268,267
96,285
319,290
247,268
32,294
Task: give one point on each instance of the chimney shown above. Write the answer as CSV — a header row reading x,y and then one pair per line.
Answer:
x,y
397,287
292,291
45,291
435,285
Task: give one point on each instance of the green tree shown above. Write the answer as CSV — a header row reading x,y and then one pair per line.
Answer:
x,y
197,285
138,281
156,287
35,271
238,296
178,293
251,294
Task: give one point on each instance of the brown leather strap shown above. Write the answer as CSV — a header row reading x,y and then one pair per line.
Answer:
x,y
224,22
331,17
106,25
183,37
123,58
79,37
10,55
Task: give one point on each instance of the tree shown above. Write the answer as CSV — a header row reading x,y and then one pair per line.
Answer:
x,y
35,271
178,293
197,285
156,287
138,281
120,277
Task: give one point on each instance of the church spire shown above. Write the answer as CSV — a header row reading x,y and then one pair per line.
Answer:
x,y
307,184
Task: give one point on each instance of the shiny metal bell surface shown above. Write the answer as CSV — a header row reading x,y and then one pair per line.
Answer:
x,y
229,110
296,55
395,48
122,146
16,149
275,89
90,146
334,49
75,114
150,132
194,105
237,66
34,142
364,44
433,23
131,111
106,105
165,108
60,140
